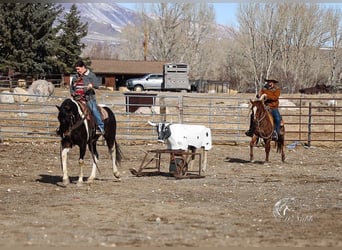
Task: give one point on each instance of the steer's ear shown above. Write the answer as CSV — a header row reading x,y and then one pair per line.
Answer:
x,y
152,123
58,107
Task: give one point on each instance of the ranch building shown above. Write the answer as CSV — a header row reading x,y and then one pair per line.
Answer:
x,y
114,73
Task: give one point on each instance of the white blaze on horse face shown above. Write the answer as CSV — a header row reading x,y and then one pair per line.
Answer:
x,y
255,108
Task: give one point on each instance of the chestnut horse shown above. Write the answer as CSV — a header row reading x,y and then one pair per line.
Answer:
x,y
264,127
76,129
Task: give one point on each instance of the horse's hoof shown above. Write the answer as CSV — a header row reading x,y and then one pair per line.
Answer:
x,y
117,175
66,182
90,180
79,184
133,171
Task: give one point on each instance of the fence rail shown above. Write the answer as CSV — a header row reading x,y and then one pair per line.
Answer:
x,y
306,119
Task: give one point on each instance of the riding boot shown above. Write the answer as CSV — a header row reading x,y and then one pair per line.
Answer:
x,y
93,107
274,136
99,131
251,129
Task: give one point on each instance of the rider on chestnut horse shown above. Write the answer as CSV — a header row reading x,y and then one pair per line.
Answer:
x,y
272,92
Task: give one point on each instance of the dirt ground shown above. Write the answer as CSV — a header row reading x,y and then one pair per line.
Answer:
x,y
237,203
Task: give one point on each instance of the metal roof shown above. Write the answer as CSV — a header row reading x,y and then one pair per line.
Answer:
x,y
126,67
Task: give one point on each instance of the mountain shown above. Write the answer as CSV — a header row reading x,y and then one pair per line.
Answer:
x,y
105,20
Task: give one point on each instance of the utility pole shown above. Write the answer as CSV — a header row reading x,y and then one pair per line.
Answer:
x,y
145,43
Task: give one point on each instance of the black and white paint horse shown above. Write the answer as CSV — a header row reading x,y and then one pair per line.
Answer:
x,y
76,129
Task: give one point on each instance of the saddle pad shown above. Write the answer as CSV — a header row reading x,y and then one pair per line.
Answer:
x,y
84,108
103,112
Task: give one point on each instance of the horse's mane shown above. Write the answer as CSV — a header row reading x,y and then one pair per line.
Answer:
x,y
69,105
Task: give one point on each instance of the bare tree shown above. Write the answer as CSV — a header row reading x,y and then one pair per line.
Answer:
x,y
175,32
283,40
260,33
332,19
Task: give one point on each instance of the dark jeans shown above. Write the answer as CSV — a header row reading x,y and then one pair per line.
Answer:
x,y
91,103
277,119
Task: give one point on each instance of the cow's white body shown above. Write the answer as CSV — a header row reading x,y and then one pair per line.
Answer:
x,y
185,137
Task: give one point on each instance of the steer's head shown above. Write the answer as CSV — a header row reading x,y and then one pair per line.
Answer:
x,y
163,130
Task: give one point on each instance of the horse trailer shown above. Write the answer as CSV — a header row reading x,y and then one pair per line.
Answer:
x,y
176,77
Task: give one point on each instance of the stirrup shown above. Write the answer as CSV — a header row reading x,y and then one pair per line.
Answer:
x,y
99,132
275,136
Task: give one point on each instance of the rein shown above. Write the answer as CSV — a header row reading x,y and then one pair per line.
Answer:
x,y
78,123
74,126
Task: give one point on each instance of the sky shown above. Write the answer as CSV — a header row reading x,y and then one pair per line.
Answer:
x,y
226,11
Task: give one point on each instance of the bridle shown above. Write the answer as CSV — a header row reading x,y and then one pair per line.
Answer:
x,y
73,126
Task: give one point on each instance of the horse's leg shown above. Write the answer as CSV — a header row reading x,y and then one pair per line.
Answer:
x,y
93,150
113,147
64,156
282,154
251,145
81,164
282,136
267,149
280,148
112,152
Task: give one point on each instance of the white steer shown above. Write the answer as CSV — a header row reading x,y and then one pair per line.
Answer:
x,y
185,137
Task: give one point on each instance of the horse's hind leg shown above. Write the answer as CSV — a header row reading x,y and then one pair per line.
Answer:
x,y
112,151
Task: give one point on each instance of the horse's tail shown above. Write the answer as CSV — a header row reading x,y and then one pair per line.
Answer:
x,y
281,137
119,154
280,143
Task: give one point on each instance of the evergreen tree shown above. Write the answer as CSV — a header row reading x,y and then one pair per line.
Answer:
x,y
71,46
28,37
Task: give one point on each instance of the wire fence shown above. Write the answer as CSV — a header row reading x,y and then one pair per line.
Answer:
x,y
307,119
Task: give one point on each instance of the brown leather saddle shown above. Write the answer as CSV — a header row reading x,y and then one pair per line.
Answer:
x,y
86,111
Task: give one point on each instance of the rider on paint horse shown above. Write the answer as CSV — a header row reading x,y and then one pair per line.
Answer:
x,y
272,92
82,88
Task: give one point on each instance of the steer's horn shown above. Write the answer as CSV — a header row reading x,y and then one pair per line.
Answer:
x,y
152,123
